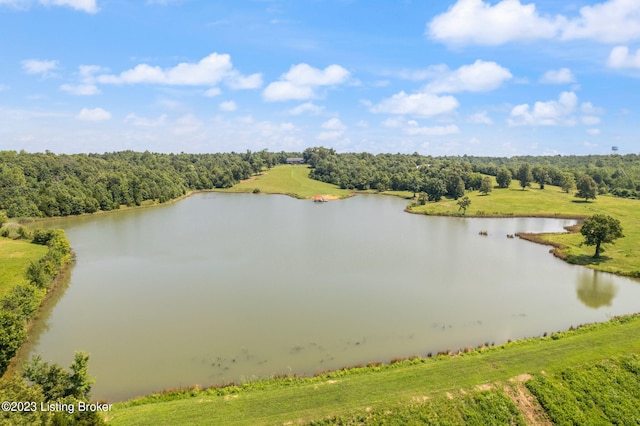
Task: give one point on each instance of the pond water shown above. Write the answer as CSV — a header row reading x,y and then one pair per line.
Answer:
x,y
222,288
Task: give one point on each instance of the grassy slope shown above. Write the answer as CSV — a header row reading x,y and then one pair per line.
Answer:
x,y
289,180
339,394
15,256
621,257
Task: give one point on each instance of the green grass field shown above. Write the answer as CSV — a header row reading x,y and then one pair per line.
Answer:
x,y
15,256
401,388
622,257
289,180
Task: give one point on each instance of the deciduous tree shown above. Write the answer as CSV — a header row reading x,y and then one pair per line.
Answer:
x,y
600,229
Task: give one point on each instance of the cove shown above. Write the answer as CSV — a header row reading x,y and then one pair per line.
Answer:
x,y
221,288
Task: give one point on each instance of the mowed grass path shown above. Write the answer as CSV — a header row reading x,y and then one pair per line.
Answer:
x,y
622,257
15,256
289,180
387,387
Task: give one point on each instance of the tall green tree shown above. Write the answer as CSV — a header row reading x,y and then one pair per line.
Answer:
x,y
486,185
504,178
587,187
567,181
600,229
435,189
463,204
524,175
540,175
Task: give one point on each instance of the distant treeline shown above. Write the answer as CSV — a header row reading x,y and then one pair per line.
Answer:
x,y
615,174
46,184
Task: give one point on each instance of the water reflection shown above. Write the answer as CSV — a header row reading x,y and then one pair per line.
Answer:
x,y
596,289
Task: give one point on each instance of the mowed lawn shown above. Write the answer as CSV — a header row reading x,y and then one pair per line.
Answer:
x,y
355,392
289,180
15,256
621,257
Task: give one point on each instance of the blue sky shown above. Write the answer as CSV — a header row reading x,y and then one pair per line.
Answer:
x,y
475,77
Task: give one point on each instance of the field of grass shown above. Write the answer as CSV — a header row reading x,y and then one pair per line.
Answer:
x,y
378,389
15,256
289,180
622,257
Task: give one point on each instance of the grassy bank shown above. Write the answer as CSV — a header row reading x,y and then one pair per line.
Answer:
x,y
15,257
289,180
377,389
623,257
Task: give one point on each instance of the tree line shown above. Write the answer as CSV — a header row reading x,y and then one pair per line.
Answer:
x,y
451,176
46,184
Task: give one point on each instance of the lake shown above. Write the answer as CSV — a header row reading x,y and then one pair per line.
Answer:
x,y
221,288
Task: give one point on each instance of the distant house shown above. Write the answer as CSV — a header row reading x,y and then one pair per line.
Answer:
x,y
295,160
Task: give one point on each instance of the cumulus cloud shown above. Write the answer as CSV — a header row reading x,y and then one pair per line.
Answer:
x,y
88,6
80,89
550,113
559,112
307,107
417,104
96,114
560,76
621,58
209,71
36,66
227,106
478,22
302,80
213,92
480,76
334,129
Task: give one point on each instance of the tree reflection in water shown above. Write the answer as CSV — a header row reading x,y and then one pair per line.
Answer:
x,y
596,289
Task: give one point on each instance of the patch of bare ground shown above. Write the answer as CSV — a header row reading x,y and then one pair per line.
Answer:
x,y
526,403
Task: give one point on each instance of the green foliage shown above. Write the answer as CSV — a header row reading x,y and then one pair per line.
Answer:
x,y
486,185
12,333
540,175
604,393
463,204
524,175
3,218
503,178
56,382
567,182
435,189
587,187
599,229
15,389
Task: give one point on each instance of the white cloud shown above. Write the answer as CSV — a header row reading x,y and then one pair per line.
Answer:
x,y
253,81
478,22
334,124
560,76
590,120
480,76
620,58
88,6
480,118
550,113
588,108
17,4
80,89
301,81
213,92
593,132
96,114
228,106
209,71
417,104
309,107
613,21
43,67
187,124
330,135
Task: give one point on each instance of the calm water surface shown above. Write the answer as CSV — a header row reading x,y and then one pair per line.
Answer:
x,y
231,287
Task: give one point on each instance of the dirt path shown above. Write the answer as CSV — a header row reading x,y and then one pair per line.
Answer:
x,y
526,403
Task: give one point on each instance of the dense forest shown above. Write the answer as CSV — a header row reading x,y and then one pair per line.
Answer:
x,y
451,176
47,184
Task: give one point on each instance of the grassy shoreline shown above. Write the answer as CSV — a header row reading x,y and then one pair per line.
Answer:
x,y
353,391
